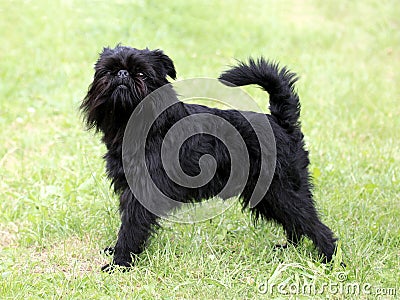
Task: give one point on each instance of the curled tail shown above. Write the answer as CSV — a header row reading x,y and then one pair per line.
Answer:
x,y
279,83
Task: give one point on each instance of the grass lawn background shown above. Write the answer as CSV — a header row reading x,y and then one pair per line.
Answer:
x,y
56,208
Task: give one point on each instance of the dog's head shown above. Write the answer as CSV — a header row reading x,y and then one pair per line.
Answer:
x,y
123,77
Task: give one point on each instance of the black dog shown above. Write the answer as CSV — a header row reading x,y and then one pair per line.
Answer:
x,y
124,76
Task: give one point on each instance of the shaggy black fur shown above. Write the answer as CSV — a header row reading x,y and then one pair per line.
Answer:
x,y
124,76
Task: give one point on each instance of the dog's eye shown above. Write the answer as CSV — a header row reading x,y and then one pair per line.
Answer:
x,y
140,74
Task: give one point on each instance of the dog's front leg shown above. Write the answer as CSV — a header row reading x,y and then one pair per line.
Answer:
x,y
137,224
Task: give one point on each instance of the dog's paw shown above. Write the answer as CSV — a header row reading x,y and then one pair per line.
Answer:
x,y
280,246
108,268
108,251
117,267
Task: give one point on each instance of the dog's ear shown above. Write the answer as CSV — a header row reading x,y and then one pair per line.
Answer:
x,y
166,63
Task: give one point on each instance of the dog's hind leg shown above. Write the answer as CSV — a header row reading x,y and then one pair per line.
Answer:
x,y
300,218
268,212
137,224
293,235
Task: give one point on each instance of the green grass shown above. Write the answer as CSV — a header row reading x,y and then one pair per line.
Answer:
x,y
56,209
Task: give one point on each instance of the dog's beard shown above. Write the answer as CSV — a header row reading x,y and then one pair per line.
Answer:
x,y
127,94
122,97
122,94
110,101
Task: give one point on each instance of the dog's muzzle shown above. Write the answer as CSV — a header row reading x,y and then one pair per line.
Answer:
x,y
122,74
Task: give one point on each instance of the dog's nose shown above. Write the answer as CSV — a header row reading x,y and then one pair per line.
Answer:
x,y
123,73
